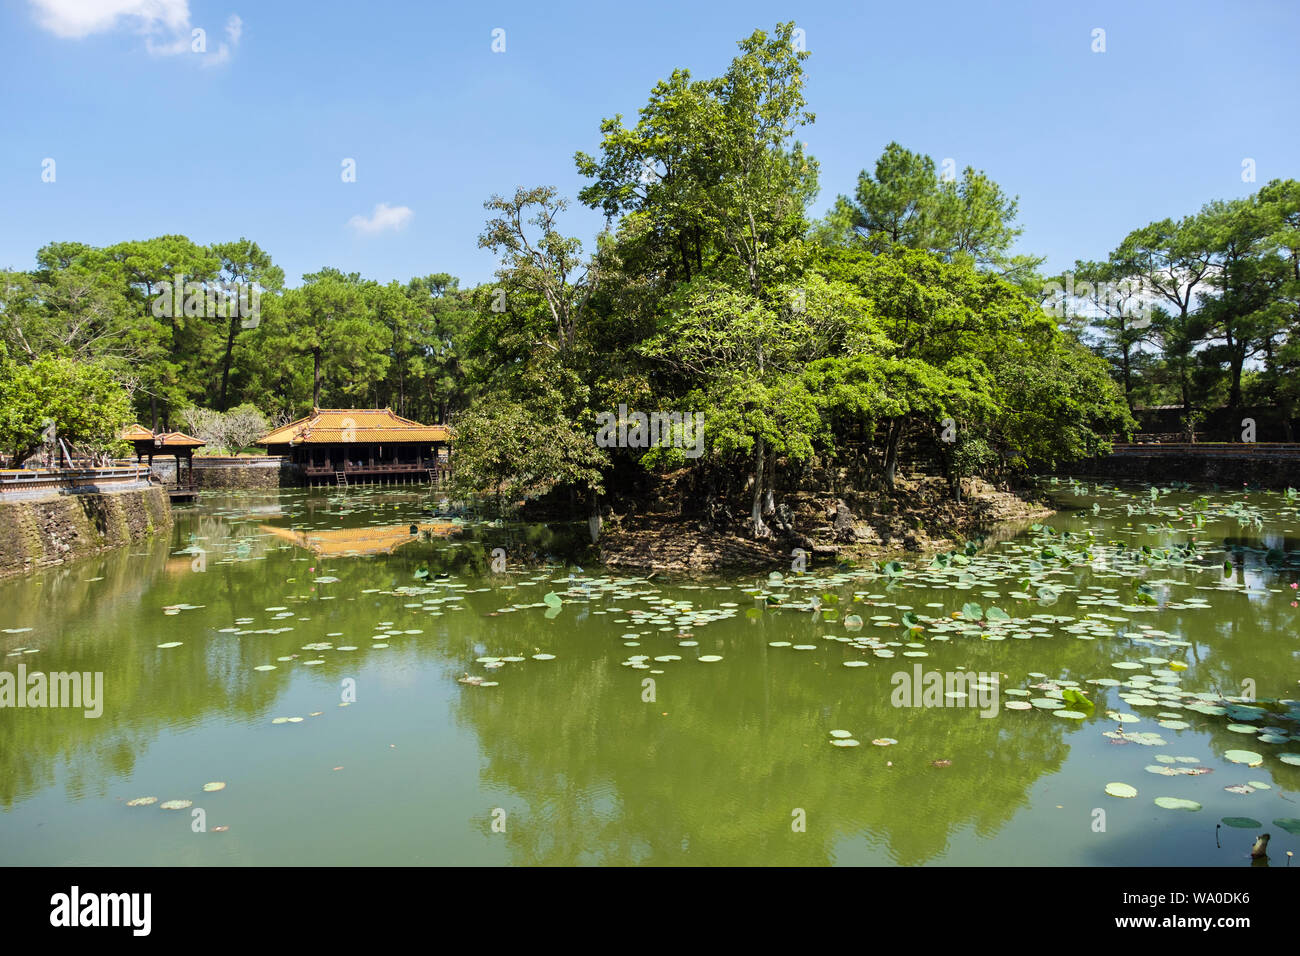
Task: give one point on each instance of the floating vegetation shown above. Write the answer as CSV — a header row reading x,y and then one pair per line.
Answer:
x,y
1176,803
1248,757
142,801
176,804
1121,790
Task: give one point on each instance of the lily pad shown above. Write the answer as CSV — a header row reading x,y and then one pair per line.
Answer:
x,y
1177,803
1121,790
1245,823
1248,757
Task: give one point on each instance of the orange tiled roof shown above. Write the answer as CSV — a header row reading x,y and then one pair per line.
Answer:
x,y
138,432
173,439
331,426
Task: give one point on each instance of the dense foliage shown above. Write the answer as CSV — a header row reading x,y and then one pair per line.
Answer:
x,y
899,326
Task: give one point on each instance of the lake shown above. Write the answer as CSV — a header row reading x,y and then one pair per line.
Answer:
x,y
373,693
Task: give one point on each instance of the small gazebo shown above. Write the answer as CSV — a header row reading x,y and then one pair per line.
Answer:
x,y
177,445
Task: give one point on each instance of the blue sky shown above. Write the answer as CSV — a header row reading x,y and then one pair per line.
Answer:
x,y
248,138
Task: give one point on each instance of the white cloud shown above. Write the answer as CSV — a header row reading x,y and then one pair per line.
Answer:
x,y
383,218
79,18
165,24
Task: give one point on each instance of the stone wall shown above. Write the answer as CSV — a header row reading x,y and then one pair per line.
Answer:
x,y
212,473
39,532
239,473
1259,472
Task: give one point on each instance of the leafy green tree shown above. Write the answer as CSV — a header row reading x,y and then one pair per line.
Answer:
x,y
507,449
329,319
246,264
1173,263
902,204
712,176
79,399
1110,313
172,346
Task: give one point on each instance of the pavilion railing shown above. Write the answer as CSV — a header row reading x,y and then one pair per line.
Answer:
x,y
378,468
32,479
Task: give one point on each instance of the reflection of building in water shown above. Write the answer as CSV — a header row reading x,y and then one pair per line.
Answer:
x,y
217,542
357,541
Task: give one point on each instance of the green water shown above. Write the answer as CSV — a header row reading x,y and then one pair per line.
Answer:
x,y
569,760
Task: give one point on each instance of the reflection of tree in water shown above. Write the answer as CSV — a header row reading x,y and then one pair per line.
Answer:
x,y
598,775
608,779
113,626
220,559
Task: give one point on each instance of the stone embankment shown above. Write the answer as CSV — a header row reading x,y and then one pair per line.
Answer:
x,y
38,530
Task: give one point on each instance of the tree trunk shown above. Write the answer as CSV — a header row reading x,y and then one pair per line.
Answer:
x,y
1128,379
315,391
891,452
769,490
225,365
760,529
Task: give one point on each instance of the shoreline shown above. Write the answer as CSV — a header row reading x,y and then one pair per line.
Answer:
x,y
918,519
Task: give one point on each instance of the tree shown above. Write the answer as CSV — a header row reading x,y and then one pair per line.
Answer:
x,y
1173,262
896,206
745,357
1111,313
507,448
173,343
244,264
712,176
81,402
329,319
904,205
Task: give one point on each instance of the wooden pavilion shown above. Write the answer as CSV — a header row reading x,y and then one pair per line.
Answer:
x,y
362,444
177,445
